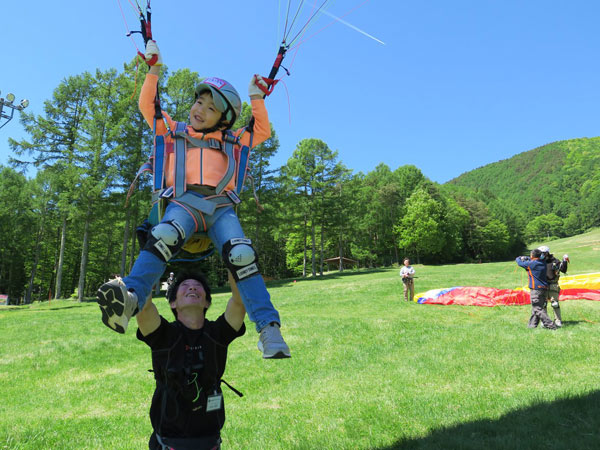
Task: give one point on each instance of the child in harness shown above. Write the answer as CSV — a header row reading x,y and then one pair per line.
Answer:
x,y
198,168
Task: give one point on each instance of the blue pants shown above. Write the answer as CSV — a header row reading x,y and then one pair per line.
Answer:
x,y
148,267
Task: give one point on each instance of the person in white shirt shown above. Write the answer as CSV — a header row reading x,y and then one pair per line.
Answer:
x,y
407,274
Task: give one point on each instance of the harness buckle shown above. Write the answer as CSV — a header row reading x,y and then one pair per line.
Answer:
x,y
227,137
167,193
233,197
215,144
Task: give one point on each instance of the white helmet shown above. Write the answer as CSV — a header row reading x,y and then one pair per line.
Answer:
x,y
544,249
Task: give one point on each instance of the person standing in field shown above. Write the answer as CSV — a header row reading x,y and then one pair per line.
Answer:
x,y
188,361
407,274
170,282
538,289
554,267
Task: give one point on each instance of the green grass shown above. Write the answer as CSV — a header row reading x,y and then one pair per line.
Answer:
x,y
368,370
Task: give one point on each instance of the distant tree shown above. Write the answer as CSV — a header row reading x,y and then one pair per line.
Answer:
x,y
544,226
17,221
421,229
312,172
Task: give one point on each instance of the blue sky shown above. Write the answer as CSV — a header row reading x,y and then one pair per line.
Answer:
x,y
457,85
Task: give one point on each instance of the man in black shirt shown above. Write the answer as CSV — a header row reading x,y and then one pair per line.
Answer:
x,y
188,360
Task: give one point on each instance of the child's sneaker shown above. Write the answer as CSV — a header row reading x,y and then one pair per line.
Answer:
x,y
271,343
117,304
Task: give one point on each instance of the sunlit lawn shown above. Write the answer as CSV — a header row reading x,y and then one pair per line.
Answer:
x,y
368,370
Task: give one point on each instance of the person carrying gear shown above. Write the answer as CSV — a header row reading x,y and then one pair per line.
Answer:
x,y
188,361
538,289
195,179
554,267
407,274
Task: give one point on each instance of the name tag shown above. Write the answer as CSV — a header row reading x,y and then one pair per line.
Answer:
x,y
213,402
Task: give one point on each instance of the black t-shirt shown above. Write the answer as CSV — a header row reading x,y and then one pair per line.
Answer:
x,y
188,366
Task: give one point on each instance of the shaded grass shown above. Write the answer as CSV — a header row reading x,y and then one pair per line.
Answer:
x,y
368,371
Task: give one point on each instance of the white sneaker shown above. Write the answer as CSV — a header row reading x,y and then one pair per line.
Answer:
x,y
558,323
117,304
271,343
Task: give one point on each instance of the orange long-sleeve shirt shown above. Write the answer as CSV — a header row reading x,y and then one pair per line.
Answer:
x,y
213,163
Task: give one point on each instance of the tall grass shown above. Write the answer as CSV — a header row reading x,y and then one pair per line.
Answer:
x,y
368,370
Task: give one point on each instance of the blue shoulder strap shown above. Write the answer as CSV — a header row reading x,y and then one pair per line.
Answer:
x,y
243,165
229,141
180,146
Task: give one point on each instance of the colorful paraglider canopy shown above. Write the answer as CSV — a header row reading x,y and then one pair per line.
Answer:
x,y
574,287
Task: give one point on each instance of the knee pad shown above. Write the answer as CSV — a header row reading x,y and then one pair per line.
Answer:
x,y
165,240
240,258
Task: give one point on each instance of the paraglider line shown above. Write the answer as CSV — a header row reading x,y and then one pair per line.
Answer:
x,y
308,22
126,25
353,27
329,24
294,19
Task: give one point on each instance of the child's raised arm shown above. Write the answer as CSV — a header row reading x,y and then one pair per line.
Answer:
x,y
148,92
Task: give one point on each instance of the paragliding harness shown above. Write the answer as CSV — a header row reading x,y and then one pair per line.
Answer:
x,y
184,383
199,204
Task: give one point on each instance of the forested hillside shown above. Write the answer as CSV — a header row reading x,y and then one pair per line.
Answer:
x,y
554,189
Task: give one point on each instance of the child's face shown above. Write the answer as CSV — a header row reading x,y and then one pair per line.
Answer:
x,y
204,114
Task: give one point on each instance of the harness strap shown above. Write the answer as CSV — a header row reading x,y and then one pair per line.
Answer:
x,y
180,154
159,162
199,443
239,394
242,167
231,166
199,203
195,142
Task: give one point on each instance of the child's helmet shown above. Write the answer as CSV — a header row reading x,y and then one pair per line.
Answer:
x,y
226,98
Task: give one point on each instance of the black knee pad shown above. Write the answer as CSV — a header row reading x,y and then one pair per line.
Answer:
x,y
165,239
240,258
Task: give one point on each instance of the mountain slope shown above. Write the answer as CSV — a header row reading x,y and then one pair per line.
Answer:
x,y
561,178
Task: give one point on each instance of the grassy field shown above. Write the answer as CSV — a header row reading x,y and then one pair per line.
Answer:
x,y
369,371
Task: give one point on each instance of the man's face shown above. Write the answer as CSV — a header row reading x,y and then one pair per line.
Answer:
x,y
190,293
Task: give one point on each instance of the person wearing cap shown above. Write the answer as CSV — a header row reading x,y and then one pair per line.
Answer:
x,y
189,356
538,289
217,106
554,267
407,273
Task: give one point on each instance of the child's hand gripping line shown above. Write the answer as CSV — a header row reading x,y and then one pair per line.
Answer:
x,y
152,57
258,87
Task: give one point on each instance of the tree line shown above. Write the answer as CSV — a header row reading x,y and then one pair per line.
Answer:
x,y
69,228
